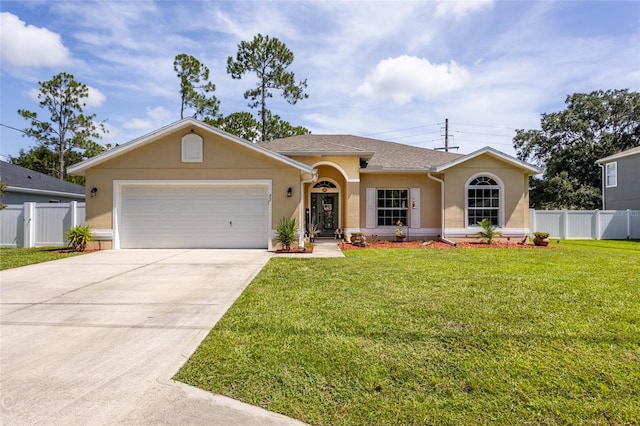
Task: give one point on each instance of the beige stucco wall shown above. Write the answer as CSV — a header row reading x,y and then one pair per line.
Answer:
x,y
515,180
349,164
161,160
429,194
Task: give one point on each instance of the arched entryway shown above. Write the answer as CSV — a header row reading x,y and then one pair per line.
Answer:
x,y
324,212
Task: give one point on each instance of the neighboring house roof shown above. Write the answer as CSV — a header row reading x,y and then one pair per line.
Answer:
x,y
384,155
381,155
21,179
628,152
80,168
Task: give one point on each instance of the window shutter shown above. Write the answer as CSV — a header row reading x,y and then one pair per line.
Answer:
x,y
371,207
414,204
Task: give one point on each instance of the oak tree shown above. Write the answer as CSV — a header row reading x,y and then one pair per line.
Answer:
x,y
592,126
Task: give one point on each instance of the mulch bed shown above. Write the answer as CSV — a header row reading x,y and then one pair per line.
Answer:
x,y
437,245
60,251
296,249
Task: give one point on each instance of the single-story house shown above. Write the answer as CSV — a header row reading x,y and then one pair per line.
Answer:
x,y
621,180
24,185
192,185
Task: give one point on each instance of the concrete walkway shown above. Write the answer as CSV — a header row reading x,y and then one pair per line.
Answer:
x,y
95,339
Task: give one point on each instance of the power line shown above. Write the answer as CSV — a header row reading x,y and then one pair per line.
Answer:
x,y
483,134
484,125
400,130
13,128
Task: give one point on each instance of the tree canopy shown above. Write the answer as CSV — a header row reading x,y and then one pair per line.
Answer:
x,y
68,129
592,126
195,88
269,59
244,125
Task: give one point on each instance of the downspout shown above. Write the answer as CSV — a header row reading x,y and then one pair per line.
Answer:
x,y
301,215
604,177
443,236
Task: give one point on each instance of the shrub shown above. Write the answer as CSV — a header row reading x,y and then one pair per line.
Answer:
x,y
488,232
286,232
79,236
543,235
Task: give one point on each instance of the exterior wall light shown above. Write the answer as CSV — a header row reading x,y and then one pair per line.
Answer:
x,y
93,191
289,192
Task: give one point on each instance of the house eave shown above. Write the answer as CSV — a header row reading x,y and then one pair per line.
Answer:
x,y
361,154
44,192
617,156
393,171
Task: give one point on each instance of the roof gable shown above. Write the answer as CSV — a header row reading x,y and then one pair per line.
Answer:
x,y
18,177
533,170
81,167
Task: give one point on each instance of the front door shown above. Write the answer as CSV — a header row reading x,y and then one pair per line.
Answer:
x,y
324,213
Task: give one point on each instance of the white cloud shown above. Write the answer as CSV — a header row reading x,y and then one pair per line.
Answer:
x,y
30,46
158,113
138,124
155,117
405,77
96,98
461,8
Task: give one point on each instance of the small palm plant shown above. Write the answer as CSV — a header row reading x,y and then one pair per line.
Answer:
x,y
286,232
79,236
488,232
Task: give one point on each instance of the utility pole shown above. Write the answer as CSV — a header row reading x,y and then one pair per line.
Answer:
x,y
446,137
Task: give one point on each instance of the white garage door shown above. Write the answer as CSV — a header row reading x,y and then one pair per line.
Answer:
x,y
193,216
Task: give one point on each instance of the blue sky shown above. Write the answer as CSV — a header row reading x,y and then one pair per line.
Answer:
x,y
389,70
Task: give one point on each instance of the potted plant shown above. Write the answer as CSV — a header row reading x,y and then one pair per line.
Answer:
x,y
399,234
541,239
358,239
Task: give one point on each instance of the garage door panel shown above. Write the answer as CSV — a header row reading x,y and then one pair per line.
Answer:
x,y
194,216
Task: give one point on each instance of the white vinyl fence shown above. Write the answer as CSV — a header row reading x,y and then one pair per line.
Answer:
x,y
587,224
38,224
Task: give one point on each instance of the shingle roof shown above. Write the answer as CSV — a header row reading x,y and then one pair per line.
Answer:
x,y
380,154
20,177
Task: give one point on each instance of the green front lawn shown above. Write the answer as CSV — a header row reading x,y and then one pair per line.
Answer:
x,y
428,336
16,257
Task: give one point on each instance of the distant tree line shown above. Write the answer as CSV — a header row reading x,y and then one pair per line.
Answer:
x,y
592,126
69,135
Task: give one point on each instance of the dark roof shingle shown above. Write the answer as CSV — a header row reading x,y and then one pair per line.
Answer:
x,y
380,154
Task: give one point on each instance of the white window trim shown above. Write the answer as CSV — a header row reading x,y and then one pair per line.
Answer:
x,y
192,144
615,174
500,199
406,207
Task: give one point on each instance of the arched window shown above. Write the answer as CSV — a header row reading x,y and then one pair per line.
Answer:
x,y
483,201
324,184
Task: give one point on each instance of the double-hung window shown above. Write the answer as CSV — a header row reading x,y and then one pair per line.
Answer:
x,y
392,206
483,201
612,175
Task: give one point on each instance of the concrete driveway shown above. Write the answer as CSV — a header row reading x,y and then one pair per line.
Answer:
x,y
95,339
